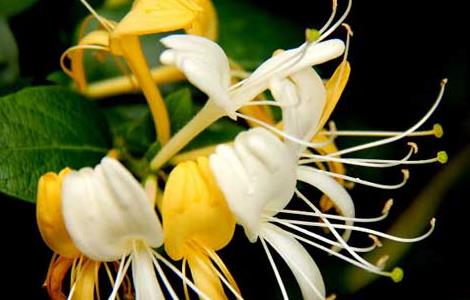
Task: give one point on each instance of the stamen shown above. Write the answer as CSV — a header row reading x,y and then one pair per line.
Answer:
x,y
367,230
183,271
334,9
166,283
406,175
373,163
283,134
382,261
290,224
403,134
336,217
276,272
334,232
179,274
337,24
123,266
75,48
107,25
436,130
442,157
348,40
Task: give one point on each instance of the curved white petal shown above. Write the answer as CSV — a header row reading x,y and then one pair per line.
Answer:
x,y
335,191
105,210
302,96
143,274
285,64
205,65
256,175
300,262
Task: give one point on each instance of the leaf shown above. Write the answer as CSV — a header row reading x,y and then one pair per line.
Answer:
x,y
250,35
46,129
10,8
220,132
180,107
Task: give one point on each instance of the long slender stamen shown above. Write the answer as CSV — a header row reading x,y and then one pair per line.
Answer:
x,y
334,9
406,175
337,24
123,266
283,134
180,275
365,230
334,232
299,270
75,48
436,130
107,25
290,224
276,271
166,283
403,134
373,163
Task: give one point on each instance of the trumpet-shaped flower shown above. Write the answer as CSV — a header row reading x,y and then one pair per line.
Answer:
x,y
122,39
197,222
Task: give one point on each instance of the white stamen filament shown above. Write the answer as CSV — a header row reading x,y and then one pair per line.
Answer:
x,y
276,272
406,175
178,273
122,270
160,272
335,217
437,131
360,229
334,232
334,9
400,136
337,24
289,224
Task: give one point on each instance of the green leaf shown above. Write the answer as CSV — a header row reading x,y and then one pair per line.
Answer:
x,y
10,8
46,129
221,131
180,107
249,35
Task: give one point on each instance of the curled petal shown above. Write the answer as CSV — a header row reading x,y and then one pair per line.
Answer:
x,y
105,210
302,97
205,65
331,188
256,175
300,262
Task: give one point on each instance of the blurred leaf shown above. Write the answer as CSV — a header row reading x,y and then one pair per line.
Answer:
x,y
46,129
59,77
10,8
9,66
411,222
249,35
180,108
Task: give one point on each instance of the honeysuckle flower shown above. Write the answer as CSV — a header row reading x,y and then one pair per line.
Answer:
x,y
206,66
197,222
109,218
66,255
122,39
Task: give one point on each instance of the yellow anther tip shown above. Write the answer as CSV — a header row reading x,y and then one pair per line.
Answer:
x,y
311,35
438,131
442,157
397,274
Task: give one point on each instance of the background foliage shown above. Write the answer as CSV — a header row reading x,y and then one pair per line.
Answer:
x,y
399,53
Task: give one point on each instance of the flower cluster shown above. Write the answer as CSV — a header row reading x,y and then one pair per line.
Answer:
x,y
102,218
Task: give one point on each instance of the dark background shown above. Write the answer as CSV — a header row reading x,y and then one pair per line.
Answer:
x,y
399,53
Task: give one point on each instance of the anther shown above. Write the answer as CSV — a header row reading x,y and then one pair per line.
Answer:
x,y
413,146
387,206
311,35
438,131
376,240
442,157
382,261
397,274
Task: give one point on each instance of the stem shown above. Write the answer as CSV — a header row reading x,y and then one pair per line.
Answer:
x,y
204,118
134,56
126,84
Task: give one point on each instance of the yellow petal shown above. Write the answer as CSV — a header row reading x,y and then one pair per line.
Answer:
x,y
49,215
85,281
194,208
334,88
151,16
206,22
204,276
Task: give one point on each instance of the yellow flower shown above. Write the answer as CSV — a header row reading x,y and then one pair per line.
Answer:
x,y
196,223
122,39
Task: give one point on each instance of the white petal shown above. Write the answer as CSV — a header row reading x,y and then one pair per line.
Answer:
x,y
300,262
335,191
106,209
285,64
303,97
256,175
205,65
144,277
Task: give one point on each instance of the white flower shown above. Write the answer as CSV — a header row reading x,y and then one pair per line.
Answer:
x,y
109,217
